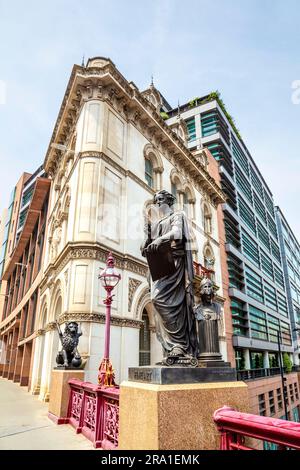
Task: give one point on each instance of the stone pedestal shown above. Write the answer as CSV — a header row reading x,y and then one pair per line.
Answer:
x,y
59,393
175,417
209,347
163,375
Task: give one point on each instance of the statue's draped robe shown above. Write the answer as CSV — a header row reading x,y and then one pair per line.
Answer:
x,y
172,296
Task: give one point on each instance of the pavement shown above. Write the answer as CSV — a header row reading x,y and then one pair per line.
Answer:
x,y
24,424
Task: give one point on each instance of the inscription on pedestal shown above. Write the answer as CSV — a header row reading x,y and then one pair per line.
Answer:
x,y
141,375
181,375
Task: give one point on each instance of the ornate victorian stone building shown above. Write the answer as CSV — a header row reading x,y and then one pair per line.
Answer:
x,y
109,152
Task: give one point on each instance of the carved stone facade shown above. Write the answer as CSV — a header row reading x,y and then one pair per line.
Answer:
x,y
99,318
132,287
105,130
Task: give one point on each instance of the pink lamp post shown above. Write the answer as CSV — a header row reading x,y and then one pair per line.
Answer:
x,y
109,278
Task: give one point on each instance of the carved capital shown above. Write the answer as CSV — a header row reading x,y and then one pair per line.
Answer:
x,y
50,326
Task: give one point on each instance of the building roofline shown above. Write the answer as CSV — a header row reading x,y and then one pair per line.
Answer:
x,y
41,189
187,106
278,209
138,109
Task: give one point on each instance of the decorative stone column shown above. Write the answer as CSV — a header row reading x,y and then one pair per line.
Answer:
x,y
2,355
48,363
209,345
37,363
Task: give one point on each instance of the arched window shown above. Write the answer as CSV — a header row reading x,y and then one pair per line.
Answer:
x,y
174,189
145,341
209,259
189,202
186,203
149,173
207,216
153,167
58,308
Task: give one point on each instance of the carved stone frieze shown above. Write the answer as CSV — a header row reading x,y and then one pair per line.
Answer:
x,y
91,252
132,287
99,318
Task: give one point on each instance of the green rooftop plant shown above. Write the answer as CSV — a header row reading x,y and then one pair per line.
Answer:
x,y
194,102
164,115
216,95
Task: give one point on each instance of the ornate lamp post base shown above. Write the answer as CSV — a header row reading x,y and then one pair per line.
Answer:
x,y
106,376
109,279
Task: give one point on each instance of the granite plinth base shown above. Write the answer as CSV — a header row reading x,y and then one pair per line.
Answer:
x,y
175,417
181,375
66,368
59,392
217,363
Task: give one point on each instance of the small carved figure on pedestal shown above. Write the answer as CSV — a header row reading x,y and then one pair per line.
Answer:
x,y
208,314
69,355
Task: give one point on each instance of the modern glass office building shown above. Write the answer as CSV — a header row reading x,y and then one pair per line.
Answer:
x,y
6,231
290,249
257,288
26,197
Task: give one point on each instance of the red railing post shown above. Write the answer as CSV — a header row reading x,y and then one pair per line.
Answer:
x,y
94,411
235,426
75,408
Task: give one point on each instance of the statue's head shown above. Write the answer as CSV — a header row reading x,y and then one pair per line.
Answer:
x,y
207,288
71,327
164,197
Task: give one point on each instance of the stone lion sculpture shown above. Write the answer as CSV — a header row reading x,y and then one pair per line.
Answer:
x,y
69,355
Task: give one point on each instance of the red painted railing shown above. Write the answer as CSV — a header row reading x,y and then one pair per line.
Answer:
x,y
94,411
234,427
202,271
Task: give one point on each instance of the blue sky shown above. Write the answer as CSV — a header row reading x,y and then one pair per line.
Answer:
x,y
247,49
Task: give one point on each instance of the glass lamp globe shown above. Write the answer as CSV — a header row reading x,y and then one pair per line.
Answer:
x,y
109,276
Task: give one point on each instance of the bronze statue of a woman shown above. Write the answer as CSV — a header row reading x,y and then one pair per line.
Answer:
x,y
172,294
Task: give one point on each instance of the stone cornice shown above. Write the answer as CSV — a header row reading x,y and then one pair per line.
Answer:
x,y
99,318
107,84
90,251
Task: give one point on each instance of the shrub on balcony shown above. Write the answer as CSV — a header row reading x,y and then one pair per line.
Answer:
x,y
287,363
